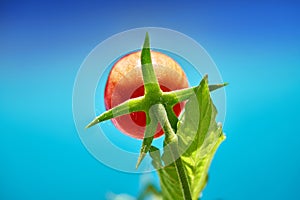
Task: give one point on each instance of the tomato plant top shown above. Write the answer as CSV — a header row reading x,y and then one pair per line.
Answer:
x,y
190,143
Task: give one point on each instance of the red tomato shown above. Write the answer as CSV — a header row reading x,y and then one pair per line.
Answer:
x,y
125,81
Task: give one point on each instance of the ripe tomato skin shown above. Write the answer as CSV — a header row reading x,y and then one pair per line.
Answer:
x,y
125,81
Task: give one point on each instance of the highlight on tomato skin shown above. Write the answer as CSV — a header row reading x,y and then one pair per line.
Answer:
x,y
125,81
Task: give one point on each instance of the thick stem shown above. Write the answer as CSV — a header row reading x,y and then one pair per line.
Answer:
x,y
171,141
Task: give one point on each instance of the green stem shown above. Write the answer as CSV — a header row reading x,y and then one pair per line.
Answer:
x,y
182,175
171,141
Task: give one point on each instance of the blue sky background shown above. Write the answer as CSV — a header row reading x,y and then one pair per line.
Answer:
x,y
43,43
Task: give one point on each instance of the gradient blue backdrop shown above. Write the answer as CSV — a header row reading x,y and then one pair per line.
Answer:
x,y
43,43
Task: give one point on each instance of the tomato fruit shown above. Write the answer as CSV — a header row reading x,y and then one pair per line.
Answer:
x,y
125,81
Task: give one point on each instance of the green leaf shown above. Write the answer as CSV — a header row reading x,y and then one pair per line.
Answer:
x,y
198,139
